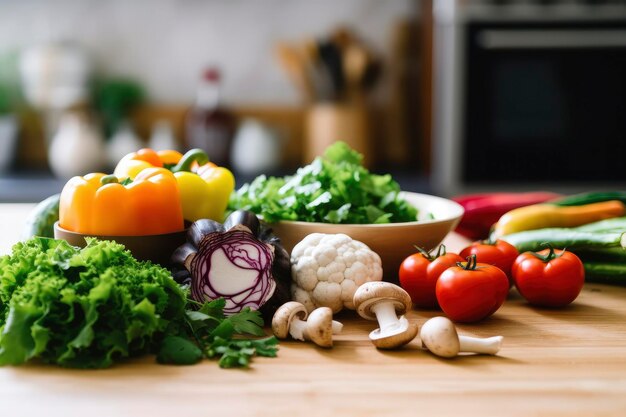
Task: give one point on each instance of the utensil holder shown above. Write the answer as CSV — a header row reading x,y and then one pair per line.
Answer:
x,y
327,123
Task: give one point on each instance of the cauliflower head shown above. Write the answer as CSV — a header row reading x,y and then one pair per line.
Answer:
x,y
326,270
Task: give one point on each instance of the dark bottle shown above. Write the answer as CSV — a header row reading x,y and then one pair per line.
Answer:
x,y
208,126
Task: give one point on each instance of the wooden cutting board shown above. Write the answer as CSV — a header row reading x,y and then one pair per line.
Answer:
x,y
569,362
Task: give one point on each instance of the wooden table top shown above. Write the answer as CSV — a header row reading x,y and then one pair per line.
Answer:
x,y
567,362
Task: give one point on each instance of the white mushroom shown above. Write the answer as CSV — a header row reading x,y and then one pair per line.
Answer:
x,y
440,337
290,318
382,301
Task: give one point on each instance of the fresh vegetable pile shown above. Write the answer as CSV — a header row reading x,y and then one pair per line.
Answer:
x,y
90,307
82,308
547,250
335,188
591,225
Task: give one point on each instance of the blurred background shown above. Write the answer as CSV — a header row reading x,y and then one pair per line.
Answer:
x,y
449,96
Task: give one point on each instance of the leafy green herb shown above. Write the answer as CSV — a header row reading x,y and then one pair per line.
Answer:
x,y
218,336
237,353
179,350
335,188
83,308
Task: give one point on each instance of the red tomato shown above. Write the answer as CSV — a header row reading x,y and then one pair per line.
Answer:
x,y
419,273
547,278
473,292
501,254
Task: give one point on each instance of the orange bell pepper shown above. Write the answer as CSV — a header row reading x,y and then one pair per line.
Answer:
x,y
98,204
135,162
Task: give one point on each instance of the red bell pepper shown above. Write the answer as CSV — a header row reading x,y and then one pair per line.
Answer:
x,y
483,210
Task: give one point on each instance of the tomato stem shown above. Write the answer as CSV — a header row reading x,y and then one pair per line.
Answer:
x,y
470,265
550,255
423,252
428,255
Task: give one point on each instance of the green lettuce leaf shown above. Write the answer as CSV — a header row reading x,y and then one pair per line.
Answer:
x,y
335,188
82,308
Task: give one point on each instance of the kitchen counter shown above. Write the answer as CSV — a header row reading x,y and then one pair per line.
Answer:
x,y
567,362
31,187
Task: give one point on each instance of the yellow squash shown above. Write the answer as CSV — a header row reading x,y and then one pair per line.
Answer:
x,y
540,216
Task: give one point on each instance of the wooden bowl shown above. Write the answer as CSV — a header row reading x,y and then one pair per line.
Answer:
x,y
393,242
155,248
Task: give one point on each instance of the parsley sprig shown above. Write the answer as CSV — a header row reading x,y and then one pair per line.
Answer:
x,y
209,333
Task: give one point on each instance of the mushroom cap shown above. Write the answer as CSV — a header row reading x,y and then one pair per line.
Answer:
x,y
320,327
440,337
394,336
284,316
372,293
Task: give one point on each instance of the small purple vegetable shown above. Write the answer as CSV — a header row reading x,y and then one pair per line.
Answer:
x,y
239,261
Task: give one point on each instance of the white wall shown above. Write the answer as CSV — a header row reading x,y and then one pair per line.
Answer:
x,y
166,43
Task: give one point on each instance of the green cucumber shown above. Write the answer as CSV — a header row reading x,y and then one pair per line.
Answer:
x,y
612,255
608,273
564,238
588,198
40,221
616,224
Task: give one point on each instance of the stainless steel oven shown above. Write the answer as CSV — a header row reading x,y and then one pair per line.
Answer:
x,y
529,97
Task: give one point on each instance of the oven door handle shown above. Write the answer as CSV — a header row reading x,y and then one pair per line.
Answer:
x,y
551,39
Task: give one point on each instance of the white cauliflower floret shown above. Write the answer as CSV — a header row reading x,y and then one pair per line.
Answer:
x,y
326,270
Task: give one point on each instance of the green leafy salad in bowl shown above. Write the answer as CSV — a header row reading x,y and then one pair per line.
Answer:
x,y
334,188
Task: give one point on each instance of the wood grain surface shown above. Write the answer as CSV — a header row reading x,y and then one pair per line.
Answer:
x,y
567,362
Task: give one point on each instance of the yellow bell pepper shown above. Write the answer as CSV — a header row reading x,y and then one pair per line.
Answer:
x,y
204,187
98,204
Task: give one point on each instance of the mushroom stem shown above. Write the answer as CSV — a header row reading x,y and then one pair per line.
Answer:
x,y
297,329
386,315
337,327
489,346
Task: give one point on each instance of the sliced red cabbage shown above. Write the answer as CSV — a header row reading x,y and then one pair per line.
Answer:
x,y
233,265
240,261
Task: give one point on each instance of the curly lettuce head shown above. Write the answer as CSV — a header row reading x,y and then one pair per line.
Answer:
x,y
82,307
